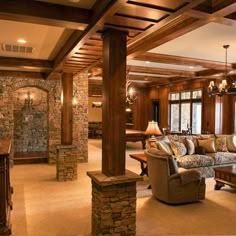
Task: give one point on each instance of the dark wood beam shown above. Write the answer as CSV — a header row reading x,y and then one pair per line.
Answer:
x,y
162,71
45,13
106,9
171,27
38,65
23,75
177,60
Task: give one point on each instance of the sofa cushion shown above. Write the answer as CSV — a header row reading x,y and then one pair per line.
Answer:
x,y
195,160
164,145
200,150
230,139
223,157
190,146
231,143
208,144
221,144
178,148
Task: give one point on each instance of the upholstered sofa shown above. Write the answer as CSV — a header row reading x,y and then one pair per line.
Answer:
x,y
199,152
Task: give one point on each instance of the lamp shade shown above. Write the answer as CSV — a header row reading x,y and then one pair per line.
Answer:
x,y
153,128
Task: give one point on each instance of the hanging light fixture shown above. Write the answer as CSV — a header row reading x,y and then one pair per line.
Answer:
x,y
130,91
227,85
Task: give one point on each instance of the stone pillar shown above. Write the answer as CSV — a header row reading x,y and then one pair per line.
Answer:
x,y
113,204
66,163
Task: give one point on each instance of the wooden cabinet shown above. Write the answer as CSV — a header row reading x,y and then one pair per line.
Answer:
x,y
5,189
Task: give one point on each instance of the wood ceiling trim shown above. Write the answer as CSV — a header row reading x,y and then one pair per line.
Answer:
x,y
162,71
178,27
20,62
141,13
145,36
89,56
69,62
82,51
103,11
208,72
22,75
169,59
94,42
81,60
46,13
91,47
127,22
167,5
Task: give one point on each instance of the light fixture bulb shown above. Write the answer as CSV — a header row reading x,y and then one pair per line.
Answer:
x,y
21,41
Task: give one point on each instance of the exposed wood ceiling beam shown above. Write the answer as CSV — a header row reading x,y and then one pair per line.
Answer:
x,y
22,75
161,31
161,71
45,13
38,65
95,24
169,59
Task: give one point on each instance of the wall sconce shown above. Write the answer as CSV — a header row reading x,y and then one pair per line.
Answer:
x,y
74,101
28,100
130,91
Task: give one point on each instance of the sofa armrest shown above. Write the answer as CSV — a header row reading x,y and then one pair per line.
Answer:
x,y
187,176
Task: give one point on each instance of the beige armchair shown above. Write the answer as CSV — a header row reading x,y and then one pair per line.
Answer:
x,y
171,185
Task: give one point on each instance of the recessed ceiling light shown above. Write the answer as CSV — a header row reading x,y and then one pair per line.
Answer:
x,y
21,41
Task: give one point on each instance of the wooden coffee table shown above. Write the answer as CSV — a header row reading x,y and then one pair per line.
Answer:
x,y
143,162
225,175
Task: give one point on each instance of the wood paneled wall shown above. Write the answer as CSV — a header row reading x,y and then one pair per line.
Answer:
x,y
217,113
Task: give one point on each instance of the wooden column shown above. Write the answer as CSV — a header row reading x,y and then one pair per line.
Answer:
x,y
66,111
114,97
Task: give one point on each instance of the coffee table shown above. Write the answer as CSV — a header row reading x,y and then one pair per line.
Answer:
x,y
143,162
225,175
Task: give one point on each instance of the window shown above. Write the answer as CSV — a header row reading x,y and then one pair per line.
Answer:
x,y
185,111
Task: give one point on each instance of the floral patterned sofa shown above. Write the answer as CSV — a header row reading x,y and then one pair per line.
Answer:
x,y
200,152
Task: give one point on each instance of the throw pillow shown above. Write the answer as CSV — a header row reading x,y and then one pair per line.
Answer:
x,y
164,146
200,150
178,148
231,143
208,144
190,146
221,145
173,165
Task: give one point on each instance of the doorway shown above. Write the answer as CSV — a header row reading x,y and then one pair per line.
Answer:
x,y
156,110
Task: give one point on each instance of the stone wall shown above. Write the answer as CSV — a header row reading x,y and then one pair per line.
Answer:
x,y
80,115
8,87
30,120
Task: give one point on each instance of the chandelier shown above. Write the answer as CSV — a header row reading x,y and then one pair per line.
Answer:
x,y
227,86
130,91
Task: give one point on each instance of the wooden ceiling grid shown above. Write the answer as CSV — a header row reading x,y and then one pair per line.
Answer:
x,y
149,23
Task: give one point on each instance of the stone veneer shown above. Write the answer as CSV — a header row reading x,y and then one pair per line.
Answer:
x,y
66,163
10,84
113,204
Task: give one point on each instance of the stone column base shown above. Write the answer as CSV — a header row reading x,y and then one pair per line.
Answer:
x,y
66,163
113,203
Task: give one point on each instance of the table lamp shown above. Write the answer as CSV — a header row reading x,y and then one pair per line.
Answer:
x,y
153,130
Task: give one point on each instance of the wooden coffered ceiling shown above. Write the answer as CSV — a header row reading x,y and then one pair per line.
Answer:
x,y
69,39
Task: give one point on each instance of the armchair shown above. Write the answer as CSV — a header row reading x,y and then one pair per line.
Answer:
x,y
171,185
